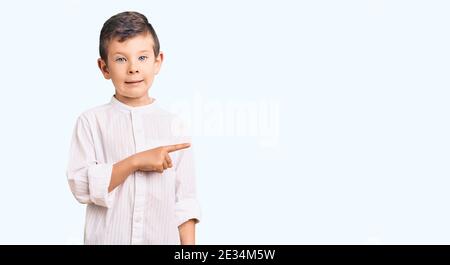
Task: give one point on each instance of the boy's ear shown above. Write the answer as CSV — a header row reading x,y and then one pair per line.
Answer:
x,y
104,68
158,62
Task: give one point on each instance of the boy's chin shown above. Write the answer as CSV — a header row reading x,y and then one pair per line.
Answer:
x,y
133,95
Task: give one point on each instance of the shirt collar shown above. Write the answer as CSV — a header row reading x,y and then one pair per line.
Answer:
x,y
124,107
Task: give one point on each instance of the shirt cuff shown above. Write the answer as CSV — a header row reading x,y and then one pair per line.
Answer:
x,y
99,179
187,209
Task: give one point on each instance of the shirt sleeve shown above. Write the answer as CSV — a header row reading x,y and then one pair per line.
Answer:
x,y
88,179
186,205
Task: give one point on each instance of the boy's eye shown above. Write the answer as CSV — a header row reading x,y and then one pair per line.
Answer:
x,y
143,58
120,60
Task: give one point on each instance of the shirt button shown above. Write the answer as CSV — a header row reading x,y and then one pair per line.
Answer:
x,y
138,219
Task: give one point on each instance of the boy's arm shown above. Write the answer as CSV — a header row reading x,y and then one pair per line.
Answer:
x,y
91,181
121,170
156,159
88,179
187,232
187,208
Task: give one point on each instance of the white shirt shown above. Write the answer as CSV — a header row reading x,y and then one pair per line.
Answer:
x,y
147,207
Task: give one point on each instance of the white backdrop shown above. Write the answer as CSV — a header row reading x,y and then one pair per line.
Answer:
x,y
337,128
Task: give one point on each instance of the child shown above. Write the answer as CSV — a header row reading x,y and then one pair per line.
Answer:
x,y
135,174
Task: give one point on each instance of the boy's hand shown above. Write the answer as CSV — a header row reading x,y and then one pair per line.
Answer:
x,y
157,159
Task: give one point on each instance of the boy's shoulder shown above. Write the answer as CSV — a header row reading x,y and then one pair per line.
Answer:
x,y
166,113
93,111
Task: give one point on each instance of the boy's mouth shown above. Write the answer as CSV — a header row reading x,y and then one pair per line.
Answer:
x,y
133,82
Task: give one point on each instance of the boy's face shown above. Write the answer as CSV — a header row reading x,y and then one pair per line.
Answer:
x,y
131,66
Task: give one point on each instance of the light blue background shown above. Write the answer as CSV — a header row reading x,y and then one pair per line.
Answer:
x,y
362,86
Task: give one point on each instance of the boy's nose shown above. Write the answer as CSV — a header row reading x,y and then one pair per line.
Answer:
x,y
133,70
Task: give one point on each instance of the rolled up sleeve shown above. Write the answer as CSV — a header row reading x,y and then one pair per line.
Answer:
x,y
186,206
88,179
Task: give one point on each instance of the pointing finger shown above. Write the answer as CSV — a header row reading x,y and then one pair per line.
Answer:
x,y
176,147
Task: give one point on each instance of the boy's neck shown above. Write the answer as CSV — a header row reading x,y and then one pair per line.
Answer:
x,y
134,102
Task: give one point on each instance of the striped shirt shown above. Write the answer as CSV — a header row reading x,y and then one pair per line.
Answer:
x,y
147,207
